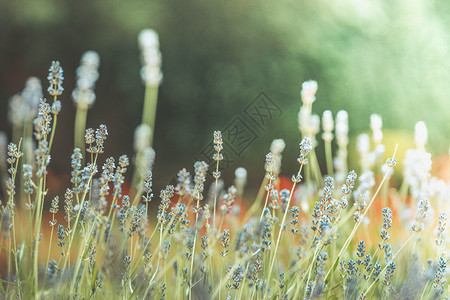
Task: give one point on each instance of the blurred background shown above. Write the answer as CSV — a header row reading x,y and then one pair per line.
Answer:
x,y
368,56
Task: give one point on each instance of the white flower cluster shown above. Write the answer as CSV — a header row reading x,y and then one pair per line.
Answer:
x,y
327,126
240,179
277,147
87,74
340,161
376,124
24,107
308,93
151,57
417,163
309,124
142,135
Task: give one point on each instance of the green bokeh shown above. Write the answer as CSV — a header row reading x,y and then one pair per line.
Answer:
x,y
386,57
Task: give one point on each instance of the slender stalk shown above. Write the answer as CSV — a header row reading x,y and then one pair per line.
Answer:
x,y
149,110
393,257
193,251
265,203
329,158
355,227
215,197
78,216
80,128
281,231
258,199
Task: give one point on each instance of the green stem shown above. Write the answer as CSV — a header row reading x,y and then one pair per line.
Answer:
x,y
280,232
80,128
329,158
149,110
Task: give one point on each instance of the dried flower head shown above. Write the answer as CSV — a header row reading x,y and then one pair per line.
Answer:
x,y
87,75
151,57
55,78
308,93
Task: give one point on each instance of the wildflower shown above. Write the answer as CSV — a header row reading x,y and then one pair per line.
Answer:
x,y
387,252
108,168
27,176
389,273
266,232
200,172
342,128
295,213
360,204
76,170
309,124
218,145
421,214
23,107
309,289
55,78
61,237
225,242
308,93
151,57
276,148
142,135
305,148
124,212
229,198
271,168
391,162
327,126
100,136
145,160
147,197
439,281
137,220
416,169
376,124
284,195
87,75
361,249
341,131
52,269
420,134
387,218
42,158
282,280
274,199
31,94
43,120
442,223
165,202
13,155
320,264
119,175
90,139
322,211
363,148
56,107
348,187
68,207
54,205
376,271
240,180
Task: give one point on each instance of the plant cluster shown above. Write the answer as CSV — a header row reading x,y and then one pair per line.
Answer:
x,y
345,235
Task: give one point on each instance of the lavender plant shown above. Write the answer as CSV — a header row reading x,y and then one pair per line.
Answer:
x,y
101,242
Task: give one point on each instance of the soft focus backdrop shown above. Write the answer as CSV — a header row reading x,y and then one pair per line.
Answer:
x,y
369,56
